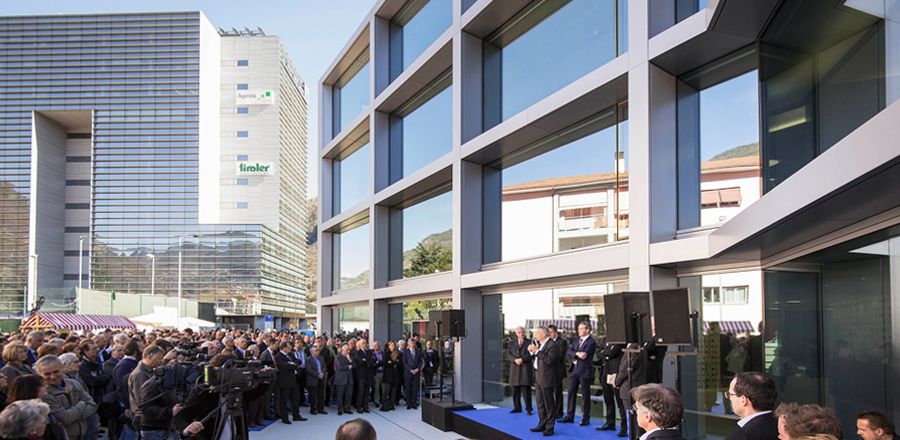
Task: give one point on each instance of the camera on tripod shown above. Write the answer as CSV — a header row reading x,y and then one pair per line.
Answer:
x,y
241,376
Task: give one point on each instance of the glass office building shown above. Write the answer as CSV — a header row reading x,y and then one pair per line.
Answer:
x,y
117,160
745,151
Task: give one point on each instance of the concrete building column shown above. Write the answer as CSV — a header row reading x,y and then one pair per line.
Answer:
x,y
652,100
379,320
467,353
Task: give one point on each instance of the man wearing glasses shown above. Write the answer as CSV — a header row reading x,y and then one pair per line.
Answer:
x,y
752,397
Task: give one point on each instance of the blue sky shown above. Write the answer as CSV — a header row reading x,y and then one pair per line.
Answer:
x,y
313,31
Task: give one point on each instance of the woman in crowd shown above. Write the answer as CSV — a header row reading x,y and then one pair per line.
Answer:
x,y
29,387
14,354
392,376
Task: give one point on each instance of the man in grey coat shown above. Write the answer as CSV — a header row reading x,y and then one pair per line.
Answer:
x,y
69,402
521,371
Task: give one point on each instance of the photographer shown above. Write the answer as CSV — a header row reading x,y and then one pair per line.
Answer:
x,y
138,398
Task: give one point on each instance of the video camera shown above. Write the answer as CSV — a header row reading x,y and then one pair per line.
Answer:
x,y
239,377
190,351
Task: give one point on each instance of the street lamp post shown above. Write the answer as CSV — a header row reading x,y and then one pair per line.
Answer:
x,y
180,251
152,274
80,259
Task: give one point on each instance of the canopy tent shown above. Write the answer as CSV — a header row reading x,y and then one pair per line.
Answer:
x,y
72,321
168,317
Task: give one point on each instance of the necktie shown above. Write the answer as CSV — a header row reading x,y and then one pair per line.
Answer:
x,y
318,365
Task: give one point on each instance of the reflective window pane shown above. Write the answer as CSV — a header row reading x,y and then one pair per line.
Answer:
x,y
565,192
563,306
423,135
420,23
350,321
719,172
544,48
729,148
351,96
427,239
351,258
352,178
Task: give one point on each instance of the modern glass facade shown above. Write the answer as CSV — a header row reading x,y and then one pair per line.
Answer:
x,y
421,130
351,93
415,28
137,78
351,256
351,177
546,46
567,191
572,172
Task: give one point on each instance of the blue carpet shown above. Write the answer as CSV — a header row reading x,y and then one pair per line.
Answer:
x,y
265,425
518,425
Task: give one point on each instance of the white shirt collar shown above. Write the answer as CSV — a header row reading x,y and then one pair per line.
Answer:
x,y
747,419
647,434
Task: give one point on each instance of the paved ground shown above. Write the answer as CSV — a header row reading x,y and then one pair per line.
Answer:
x,y
401,424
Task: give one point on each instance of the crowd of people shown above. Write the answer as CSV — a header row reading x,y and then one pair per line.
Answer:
x,y
630,377
64,386
61,385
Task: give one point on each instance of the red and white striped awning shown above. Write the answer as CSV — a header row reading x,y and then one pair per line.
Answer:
x,y
729,326
71,321
562,324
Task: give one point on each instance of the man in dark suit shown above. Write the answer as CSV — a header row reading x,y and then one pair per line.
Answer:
x,y
546,356
286,382
299,355
343,380
267,359
560,368
632,373
752,397
581,374
431,362
412,373
316,377
363,374
610,359
659,410
521,371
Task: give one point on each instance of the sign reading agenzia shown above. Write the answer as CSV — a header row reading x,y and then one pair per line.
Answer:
x,y
254,168
250,97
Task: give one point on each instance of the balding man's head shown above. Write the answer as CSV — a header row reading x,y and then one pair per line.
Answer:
x,y
356,429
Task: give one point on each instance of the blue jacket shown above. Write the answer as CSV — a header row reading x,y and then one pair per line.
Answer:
x,y
582,367
120,378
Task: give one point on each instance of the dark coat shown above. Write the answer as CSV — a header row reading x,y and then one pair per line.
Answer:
x,y
520,375
547,365
561,362
267,358
286,376
94,378
363,363
579,367
666,434
343,374
761,427
412,362
632,373
312,374
393,369
431,361
121,372
610,358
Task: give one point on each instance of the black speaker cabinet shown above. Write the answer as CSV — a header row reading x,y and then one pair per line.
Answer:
x,y
673,316
449,323
627,317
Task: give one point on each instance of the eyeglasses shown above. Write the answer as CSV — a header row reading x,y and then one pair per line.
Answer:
x,y
730,394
